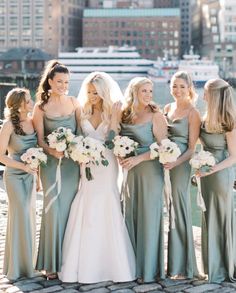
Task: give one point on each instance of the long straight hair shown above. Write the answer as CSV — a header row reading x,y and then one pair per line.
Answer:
x,y
221,111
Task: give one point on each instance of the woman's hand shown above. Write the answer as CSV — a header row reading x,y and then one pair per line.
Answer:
x,y
169,166
116,111
198,173
129,163
30,170
56,154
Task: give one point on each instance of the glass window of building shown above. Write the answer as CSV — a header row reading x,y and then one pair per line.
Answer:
x,y
26,20
26,9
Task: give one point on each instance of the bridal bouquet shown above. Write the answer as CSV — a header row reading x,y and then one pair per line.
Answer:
x,y
34,157
87,151
203,162
60,139
168,152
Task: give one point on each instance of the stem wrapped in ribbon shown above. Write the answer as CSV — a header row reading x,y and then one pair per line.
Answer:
x,y
123,147
202,162
167,152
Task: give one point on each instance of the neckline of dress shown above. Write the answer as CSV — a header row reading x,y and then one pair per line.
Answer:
x,y
177,119
58,117
95,129
139,124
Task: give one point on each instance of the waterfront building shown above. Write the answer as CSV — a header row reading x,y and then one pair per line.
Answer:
x,y
50,25
152,31
219,34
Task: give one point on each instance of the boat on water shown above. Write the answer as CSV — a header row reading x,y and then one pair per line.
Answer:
x,y
201,70
120,62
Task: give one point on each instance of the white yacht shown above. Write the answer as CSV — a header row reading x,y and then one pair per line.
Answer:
x,y
120,62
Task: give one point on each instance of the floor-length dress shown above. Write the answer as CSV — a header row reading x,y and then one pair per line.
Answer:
x,y
96,245
144,207
181,252
18,257
54,221
218,221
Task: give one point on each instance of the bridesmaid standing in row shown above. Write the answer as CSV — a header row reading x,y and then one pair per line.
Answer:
x,y
16,136
55,109
184,127
218,136
144,123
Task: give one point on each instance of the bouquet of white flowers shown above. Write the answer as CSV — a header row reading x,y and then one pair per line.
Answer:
x,y
167,152
203,162
124,146
87,151
60,139
34,157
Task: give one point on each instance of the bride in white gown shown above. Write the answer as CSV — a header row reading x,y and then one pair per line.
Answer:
x,y
96,244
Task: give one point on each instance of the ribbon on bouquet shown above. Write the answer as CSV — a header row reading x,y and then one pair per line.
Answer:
x,y
56,183
200,200
124,190
33,218
169,198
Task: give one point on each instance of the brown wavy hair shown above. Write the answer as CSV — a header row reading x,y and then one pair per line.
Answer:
x,y
14,99
50,71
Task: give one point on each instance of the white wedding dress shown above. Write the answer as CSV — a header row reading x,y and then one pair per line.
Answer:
x,y
96,245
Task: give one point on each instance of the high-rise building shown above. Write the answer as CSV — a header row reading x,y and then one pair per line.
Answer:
x,y
155,32
120,4
186,19
219,34
51,25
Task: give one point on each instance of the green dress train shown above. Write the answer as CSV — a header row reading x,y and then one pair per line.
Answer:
x,y
18,257
55,219
144,215
218,221
181,253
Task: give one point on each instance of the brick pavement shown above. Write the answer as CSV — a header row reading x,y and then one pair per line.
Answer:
x,y
39,284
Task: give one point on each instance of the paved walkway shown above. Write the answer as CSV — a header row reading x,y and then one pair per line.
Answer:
x,y
40,285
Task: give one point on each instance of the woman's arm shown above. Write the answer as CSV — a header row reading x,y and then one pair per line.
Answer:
x,y
194,123
39,127
5,134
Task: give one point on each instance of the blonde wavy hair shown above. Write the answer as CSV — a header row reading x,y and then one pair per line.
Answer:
x,y
43,90
13,102
187,78
107,89
221,111
131,98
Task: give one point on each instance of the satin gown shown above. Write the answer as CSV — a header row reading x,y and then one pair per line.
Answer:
x,y
54,221
218,222
181,252
96,246
144,207
19,250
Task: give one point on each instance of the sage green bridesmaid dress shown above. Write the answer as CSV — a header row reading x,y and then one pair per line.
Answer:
x,y
18,256
218,221
144,207
55,219
181,258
